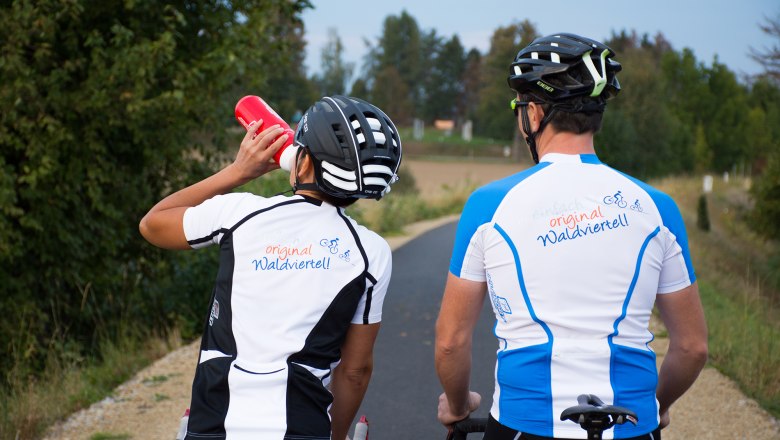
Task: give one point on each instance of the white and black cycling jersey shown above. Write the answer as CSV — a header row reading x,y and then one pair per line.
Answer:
x,y
294,274
573,254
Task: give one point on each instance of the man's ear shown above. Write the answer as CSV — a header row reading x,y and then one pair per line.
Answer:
x,y
305,168
535,115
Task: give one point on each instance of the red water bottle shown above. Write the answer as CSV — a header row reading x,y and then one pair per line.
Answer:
x,y
252,108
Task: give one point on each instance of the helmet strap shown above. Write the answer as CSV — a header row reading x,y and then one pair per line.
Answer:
x,y
530,137
302,186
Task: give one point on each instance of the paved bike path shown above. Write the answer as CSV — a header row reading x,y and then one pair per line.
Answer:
x,y
402,398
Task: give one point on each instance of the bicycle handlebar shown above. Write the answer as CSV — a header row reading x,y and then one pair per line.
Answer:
x,y
466,426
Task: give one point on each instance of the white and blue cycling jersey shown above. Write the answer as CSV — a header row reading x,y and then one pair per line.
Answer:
x,y
573,254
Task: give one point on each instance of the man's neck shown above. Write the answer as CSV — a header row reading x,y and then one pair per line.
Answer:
x,y
563,142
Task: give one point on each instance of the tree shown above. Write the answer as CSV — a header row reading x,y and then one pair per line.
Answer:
x,y
766,192
391,94
770,57
443,82
399,50
335,71
766,189
469,98
493,117
360,89
287,89
725,117
641,132
105,107
702,152
763,121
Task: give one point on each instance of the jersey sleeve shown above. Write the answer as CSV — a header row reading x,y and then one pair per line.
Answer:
x,y
677,270
369,310
467,254
205,224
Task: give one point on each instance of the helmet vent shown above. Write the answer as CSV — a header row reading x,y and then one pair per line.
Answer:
x,y
340,136
375,133
358,130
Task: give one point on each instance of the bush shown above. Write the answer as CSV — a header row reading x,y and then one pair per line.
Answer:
x,y
766,192
702,214
104,108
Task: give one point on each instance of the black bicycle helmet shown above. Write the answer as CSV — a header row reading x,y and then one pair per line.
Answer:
x,y
559,67
354,146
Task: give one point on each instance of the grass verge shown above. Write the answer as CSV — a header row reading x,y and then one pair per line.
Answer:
x,y
30,405
742,344
738,280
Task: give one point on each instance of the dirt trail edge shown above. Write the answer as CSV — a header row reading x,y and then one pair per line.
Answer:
x,y
150,405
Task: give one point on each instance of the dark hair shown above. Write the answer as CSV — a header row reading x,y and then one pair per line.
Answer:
x,y
578,122
579,114
338,202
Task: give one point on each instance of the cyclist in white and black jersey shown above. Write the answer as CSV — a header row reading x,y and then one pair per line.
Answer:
x,y
287,345
572,255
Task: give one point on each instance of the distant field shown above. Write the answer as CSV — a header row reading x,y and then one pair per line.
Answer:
x,y
433,177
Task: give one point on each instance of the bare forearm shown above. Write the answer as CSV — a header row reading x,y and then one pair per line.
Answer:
x,y
458,316
679,370
453,366
348,387
683,316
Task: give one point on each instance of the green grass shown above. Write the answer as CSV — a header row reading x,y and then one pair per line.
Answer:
x,y
108,436
738,279
155,380
389,216
30,404
743,344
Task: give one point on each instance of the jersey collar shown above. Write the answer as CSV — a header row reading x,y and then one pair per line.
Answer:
x,y
570,158
312,200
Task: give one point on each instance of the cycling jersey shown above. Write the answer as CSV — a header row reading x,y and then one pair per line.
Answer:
x,y
294,273
573,254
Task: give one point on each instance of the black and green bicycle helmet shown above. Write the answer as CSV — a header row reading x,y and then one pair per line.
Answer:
x,y
570,73
562,66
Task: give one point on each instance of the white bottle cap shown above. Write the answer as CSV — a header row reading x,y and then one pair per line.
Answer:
x,y
287,157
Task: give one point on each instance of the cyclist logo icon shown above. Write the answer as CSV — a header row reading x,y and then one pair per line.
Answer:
x,y
616,199
345,256
332,245
636,206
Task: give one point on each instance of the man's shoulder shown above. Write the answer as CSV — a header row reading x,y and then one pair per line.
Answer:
x,y
500,187
656,194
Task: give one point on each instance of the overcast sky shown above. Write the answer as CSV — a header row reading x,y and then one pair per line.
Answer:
x,y
726,28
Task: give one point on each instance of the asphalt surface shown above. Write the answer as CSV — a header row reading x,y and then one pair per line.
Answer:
x,y
402,397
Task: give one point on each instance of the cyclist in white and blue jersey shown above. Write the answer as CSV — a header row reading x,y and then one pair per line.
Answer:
x,y
287,346
572,255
